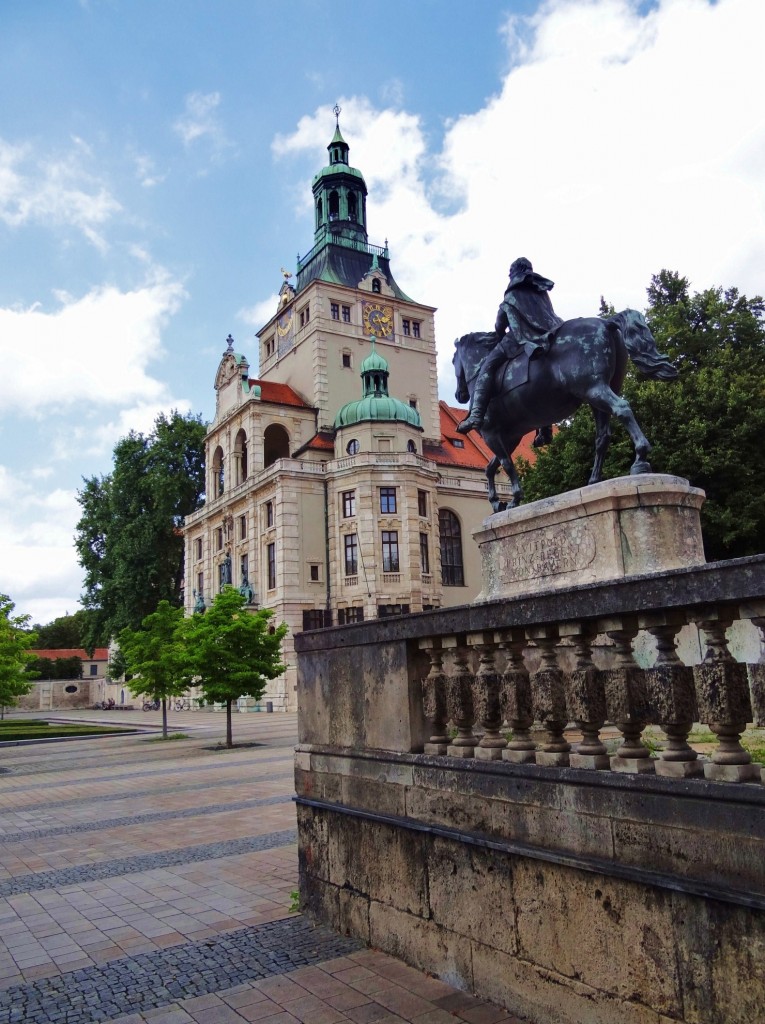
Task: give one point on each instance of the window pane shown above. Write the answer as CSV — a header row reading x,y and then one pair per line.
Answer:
x,y
452,573
390,550
351,554
388,500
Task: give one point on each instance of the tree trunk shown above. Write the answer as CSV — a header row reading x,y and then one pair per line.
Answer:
x,y
229,740
164,718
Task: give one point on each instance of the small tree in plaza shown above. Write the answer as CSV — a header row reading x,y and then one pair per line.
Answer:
x,y
15,639
232,652
155,657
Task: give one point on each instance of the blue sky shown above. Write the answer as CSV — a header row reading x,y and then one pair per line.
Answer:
x,y
155,167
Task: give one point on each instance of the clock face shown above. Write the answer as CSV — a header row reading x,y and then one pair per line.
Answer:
x,y
378,319
284,331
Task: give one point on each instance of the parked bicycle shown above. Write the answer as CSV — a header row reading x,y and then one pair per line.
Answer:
x,y
151,705
183,704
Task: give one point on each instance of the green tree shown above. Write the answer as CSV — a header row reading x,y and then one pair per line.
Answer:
x,y
155,657
128,538
55,668
232,652
707,426
67,631
15,638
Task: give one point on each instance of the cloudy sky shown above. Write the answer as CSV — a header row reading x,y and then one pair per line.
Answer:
x,y
155,168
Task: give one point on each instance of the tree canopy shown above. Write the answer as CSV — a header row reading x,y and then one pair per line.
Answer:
x,y
15,638
155,657
232,652
707,426
67,631
128,538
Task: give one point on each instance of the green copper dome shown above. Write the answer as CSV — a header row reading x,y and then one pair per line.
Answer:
x,y
376,404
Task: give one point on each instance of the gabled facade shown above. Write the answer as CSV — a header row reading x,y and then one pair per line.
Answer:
x,y
338,486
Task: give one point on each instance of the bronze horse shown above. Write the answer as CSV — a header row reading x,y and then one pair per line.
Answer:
x,y
585,364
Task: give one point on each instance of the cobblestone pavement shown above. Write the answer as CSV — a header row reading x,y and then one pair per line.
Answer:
x,y
143,881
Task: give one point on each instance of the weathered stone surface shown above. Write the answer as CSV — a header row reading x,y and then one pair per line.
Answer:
x,y
722,691
319,785
546,997
382,797
422,944
438,808
610,935
617,528
756,674
553,828
378,861
313,843
464,882
353,914
721,959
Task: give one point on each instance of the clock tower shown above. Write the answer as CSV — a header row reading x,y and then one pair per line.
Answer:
x,y
344,294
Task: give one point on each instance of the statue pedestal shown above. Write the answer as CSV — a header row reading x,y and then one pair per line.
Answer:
x,y
622,527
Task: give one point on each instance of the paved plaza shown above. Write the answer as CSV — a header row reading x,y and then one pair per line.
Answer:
x,y
151,881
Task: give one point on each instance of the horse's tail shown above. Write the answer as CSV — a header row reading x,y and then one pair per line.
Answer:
x,y
641,345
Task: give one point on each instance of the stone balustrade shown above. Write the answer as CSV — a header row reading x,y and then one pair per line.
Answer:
x,y
582,674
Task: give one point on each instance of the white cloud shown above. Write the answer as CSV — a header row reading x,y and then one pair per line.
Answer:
x,y
40,569
261,312
200,122
146,172
54,190
619,142
93,351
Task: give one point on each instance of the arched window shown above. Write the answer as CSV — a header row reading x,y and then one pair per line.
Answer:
x,y
318,213
276,444
452,573
352,206
240,450
334,205
411,447
219,476
376,285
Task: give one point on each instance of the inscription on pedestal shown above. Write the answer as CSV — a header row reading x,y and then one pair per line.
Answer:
x,y
548,553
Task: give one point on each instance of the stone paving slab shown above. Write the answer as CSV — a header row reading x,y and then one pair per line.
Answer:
x,y
150,883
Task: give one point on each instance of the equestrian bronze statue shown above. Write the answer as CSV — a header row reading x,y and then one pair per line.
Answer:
x,y
535,369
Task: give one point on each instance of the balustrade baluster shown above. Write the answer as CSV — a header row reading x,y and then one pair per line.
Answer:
x,y
486,684
626,698
756,673
459,698
585,698
548,698
672,697
434,698
515,698
722,692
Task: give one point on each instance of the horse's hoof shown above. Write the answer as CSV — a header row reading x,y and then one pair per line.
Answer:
x,y
640,466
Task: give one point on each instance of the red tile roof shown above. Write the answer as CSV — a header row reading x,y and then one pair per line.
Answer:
x,y
99,654
279,394
474,454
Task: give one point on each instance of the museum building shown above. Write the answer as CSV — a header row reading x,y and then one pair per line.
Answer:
x,y
338,488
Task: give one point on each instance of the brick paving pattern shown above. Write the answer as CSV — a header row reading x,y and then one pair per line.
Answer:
x,y
150,883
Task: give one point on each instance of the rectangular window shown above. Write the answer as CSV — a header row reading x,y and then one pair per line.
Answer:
x,y
388,500
334,309
198,548
269,513
349,504
346,615
346,314
390,550
422,503
424,556
347,360
351,554
406,327
305,316
316,618
242,527
219,538
244,569
271,561
384,610
200,583
94,670
313,571
415,329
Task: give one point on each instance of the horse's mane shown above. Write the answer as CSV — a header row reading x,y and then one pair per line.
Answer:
x,y
471,350
641,345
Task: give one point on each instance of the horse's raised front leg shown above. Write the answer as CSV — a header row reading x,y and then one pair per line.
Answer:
x,y
602,442
601,397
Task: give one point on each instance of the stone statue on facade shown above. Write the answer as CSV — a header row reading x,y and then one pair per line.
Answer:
x,y
245,588
226,576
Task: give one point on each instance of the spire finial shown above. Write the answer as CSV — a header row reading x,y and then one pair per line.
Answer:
x,y
337,111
